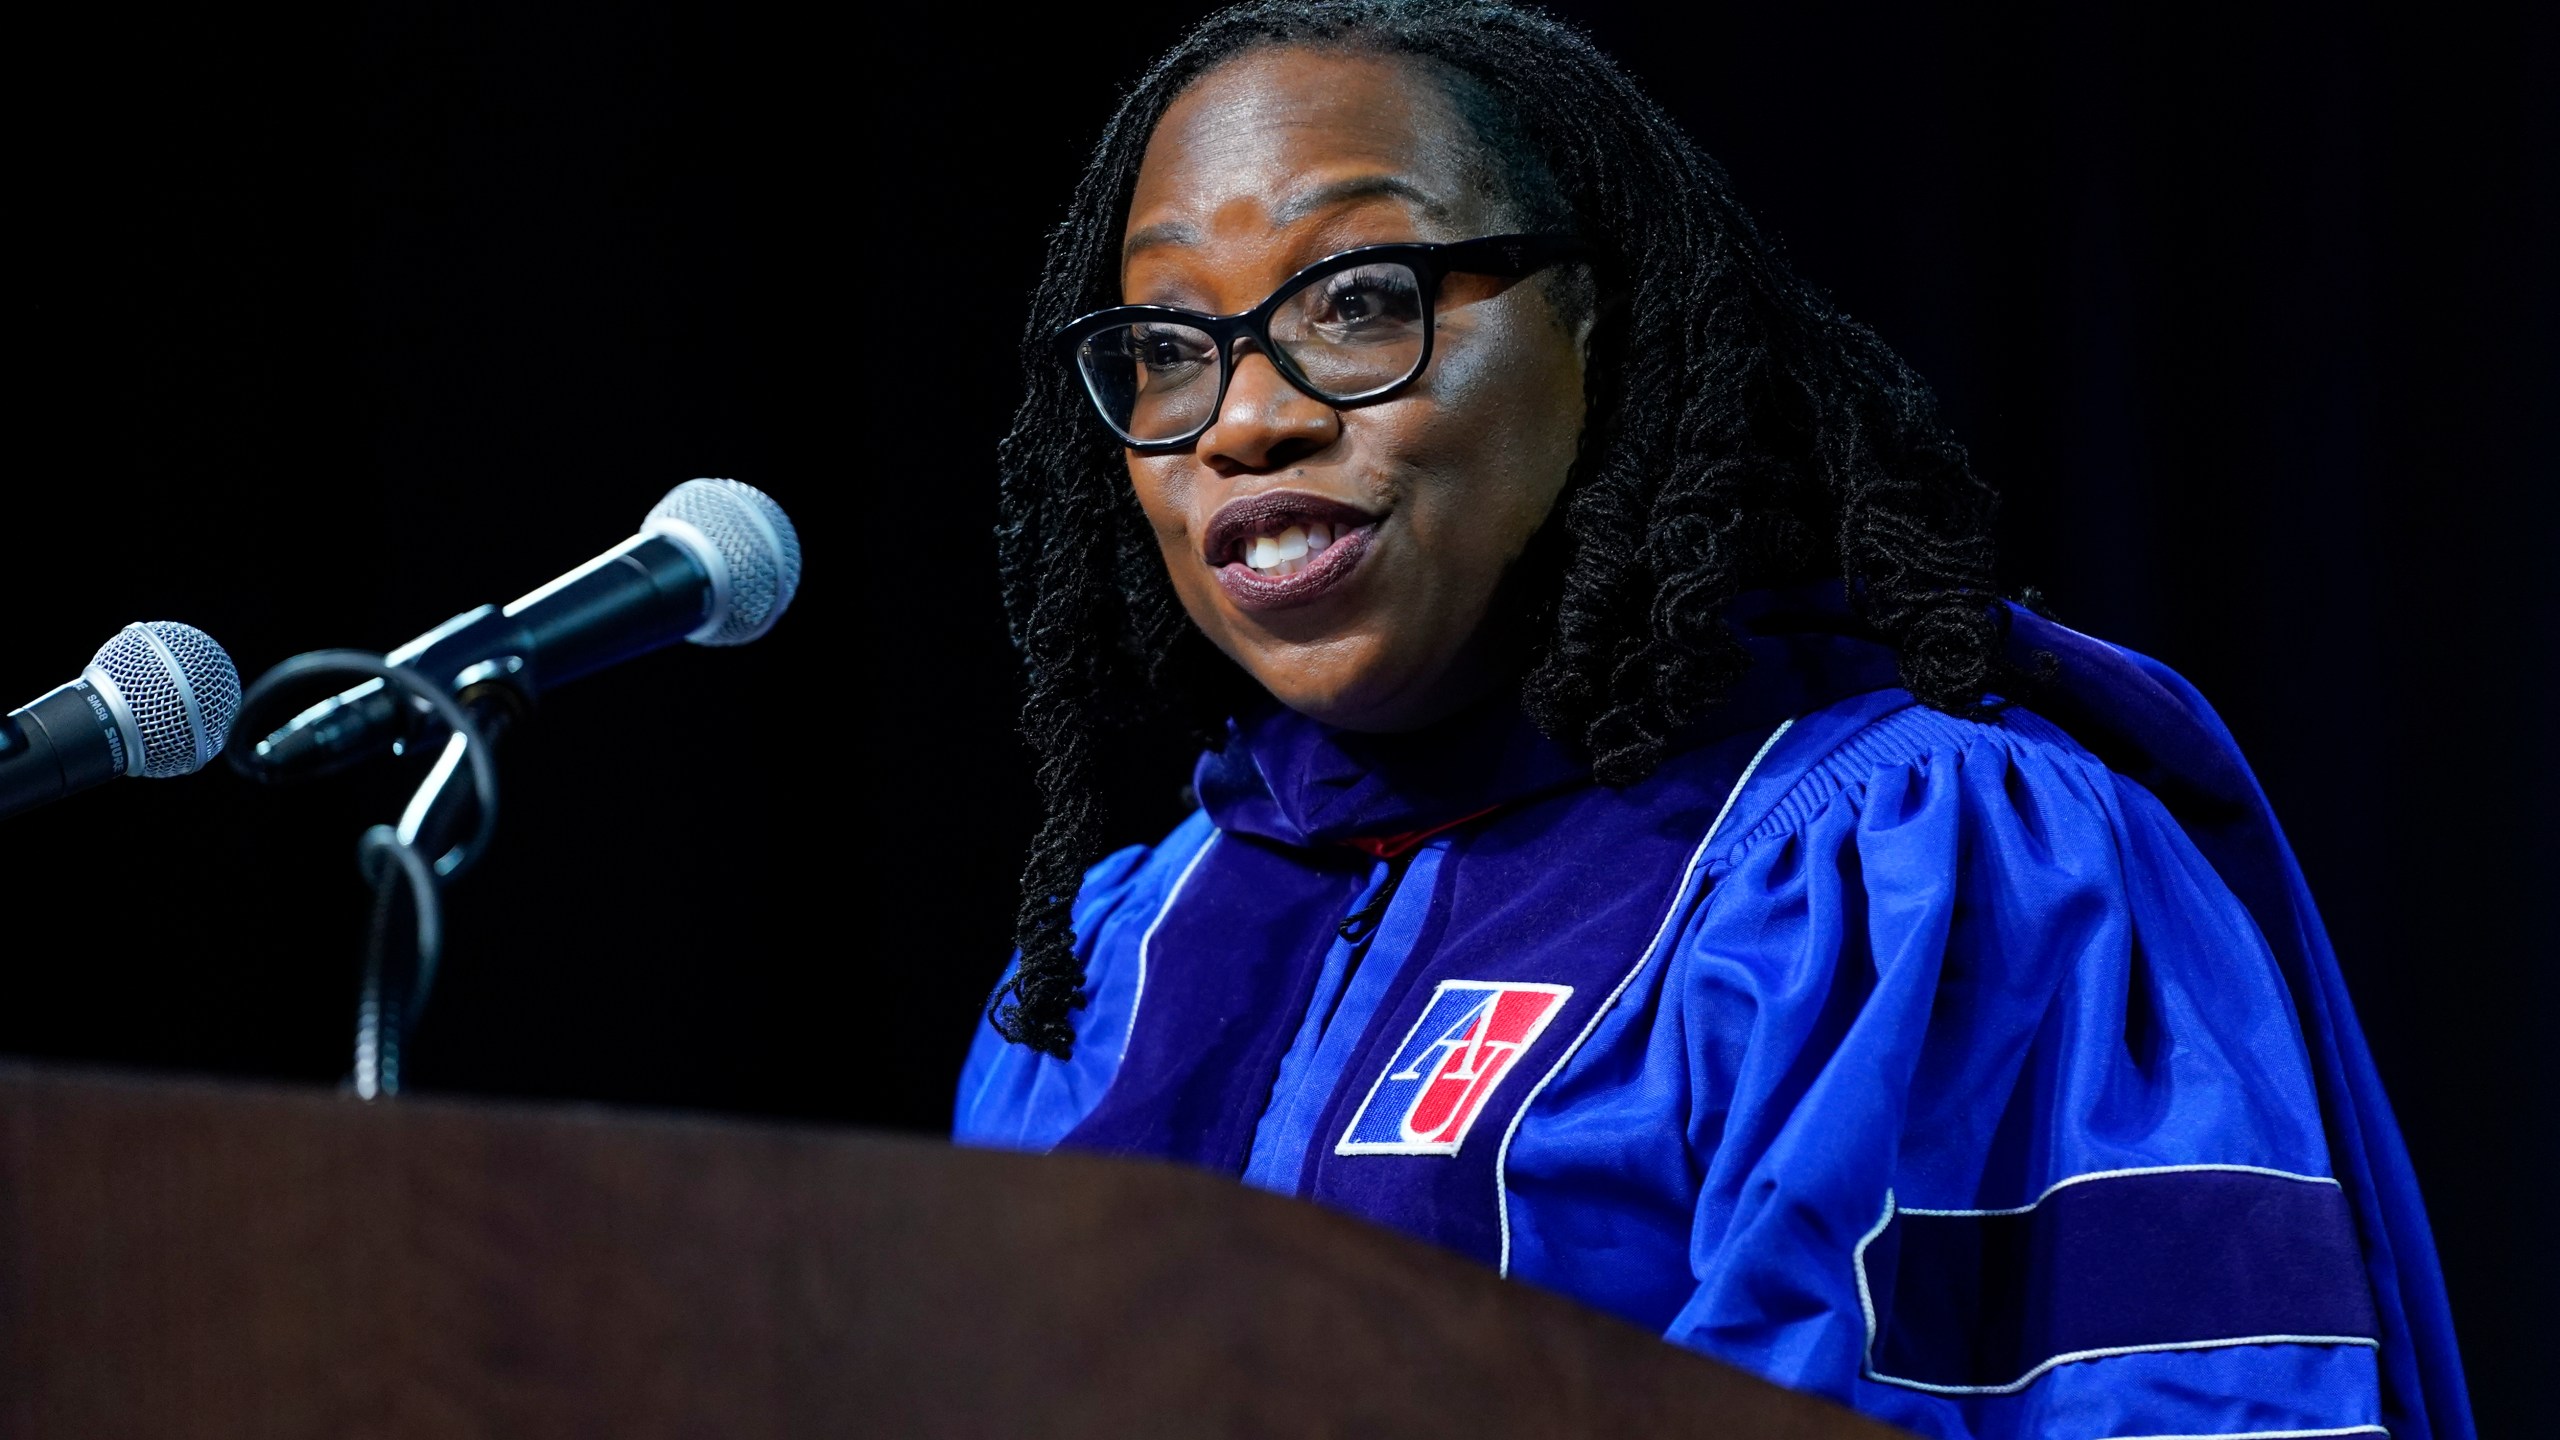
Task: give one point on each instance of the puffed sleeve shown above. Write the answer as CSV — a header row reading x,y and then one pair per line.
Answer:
x,y
2006,1121
1013,1098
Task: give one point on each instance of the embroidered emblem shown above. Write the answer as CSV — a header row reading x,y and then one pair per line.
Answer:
x,y
1468,1039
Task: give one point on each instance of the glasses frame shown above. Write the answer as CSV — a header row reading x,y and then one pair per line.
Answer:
x,y
1511,257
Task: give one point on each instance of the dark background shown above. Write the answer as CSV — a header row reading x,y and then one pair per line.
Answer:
x,y
322,334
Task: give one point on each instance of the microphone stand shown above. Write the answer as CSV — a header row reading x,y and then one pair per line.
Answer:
x,y
419,855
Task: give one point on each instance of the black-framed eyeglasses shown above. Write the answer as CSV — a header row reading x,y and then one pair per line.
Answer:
x,y
1349,329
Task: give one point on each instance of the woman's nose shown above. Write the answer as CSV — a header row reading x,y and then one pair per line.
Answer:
x,y
1265,422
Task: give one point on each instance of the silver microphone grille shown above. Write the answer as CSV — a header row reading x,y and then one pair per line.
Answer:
x,y
179,690
754,554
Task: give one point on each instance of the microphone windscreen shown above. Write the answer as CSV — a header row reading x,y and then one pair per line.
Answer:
x,y
179,691
757,554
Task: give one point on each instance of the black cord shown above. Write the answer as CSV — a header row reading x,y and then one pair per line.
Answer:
x,y
386,1009
1362,922
383,859
344,664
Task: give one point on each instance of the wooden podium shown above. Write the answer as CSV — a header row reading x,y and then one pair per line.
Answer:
x,y
197,1259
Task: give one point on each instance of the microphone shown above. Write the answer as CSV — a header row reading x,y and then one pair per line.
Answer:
x,y
716,562
155,701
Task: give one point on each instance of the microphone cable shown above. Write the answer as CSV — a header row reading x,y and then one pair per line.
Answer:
x,y
389,857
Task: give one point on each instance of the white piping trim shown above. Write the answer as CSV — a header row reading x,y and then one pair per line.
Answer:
x,y
1867,1301
2268,1434
2121,1174
1147,939
2023,1381
1679,898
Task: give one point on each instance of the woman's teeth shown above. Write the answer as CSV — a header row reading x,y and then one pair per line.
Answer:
x,y
1288,552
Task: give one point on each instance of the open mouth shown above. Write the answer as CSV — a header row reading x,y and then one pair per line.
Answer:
x,y
1286,548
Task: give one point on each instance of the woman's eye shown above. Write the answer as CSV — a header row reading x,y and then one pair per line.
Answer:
x,y
1167,349
1369,298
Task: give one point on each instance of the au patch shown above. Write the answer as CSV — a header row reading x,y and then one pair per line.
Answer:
x,y
1466,1042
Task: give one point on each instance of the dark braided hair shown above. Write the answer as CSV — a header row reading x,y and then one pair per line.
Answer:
x,y
1740,432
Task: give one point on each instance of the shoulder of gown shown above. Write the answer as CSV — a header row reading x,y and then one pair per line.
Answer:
x,y
1014,1098
1953,986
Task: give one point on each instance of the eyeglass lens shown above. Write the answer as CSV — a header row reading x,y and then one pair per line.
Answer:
x,y
1348,334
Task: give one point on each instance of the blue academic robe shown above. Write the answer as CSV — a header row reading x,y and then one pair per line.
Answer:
x,y
1991,1077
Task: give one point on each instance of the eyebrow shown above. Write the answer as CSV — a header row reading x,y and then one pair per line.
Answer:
x,y
1163,232
1298,207
1358,187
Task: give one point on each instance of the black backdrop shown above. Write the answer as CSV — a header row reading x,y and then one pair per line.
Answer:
x,y
323,334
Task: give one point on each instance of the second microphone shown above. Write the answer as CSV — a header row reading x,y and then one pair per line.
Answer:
x,y
716,562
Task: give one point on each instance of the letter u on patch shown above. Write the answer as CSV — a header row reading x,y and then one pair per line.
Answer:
x,y
1467,1040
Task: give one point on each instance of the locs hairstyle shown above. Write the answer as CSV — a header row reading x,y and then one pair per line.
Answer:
x,y
1740,432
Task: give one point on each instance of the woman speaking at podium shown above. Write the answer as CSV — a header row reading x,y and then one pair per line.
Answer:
x,y
1636,845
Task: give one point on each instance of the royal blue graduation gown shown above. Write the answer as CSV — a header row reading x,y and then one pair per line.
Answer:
x,y
1994,1078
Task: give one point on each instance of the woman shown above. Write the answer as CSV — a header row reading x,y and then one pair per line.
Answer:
x,y
1636,847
